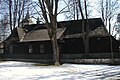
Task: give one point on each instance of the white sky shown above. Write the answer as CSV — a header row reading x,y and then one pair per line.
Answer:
x,y
93,14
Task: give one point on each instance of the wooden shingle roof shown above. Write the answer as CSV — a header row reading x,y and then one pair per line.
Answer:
x,y
38,35
66,29
100,31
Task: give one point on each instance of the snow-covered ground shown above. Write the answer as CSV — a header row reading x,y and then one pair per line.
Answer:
x,y
11,70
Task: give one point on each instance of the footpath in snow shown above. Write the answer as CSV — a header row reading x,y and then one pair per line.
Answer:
x,y
11,70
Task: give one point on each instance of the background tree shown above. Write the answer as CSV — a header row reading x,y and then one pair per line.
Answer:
x,y
10,14
73,11
4,27
14,11
108,9
117,28
17,9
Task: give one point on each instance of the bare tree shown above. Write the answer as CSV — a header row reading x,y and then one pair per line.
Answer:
x,y
49,11
16,10
73,11
108,9
3,27
78,9
117,28
72,8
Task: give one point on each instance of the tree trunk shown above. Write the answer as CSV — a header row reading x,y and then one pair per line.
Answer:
x,y
83,24
10,14
84,32
49,10
54,40
87,30
86,43
111,44
55,51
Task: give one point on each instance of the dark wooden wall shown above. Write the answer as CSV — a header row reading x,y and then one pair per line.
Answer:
x,y
69,49
23,48
72,46
96,45
69,46
103,45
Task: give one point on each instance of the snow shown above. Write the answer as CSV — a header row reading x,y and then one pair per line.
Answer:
x,y
11,70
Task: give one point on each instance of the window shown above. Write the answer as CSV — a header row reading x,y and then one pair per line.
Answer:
x,y
1,51
42,48
11,49
98,38
30,49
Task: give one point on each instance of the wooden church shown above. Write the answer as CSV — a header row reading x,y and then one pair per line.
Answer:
x,y
31,41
